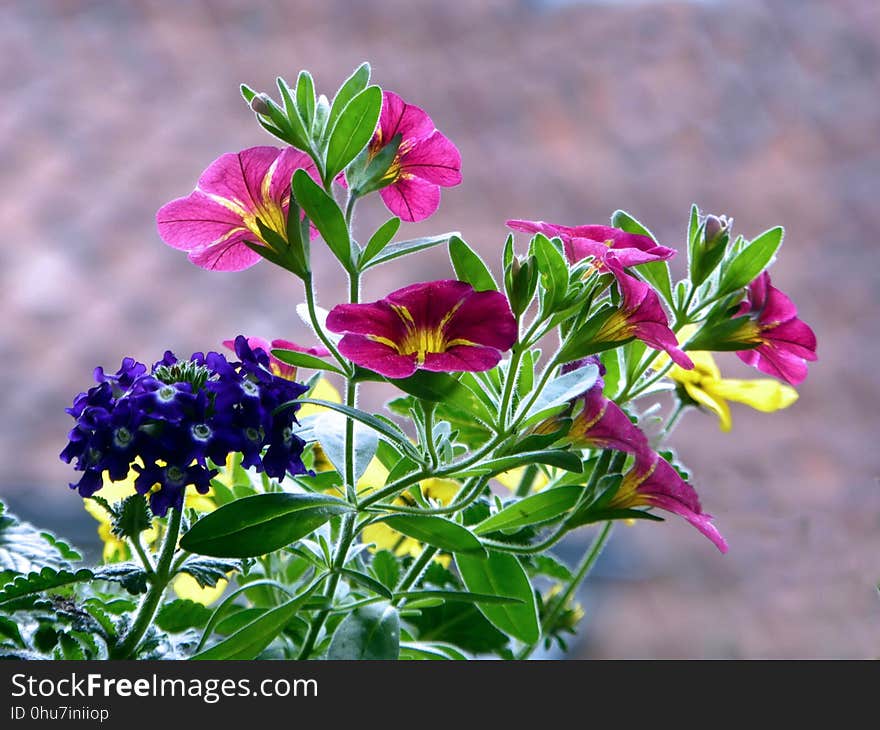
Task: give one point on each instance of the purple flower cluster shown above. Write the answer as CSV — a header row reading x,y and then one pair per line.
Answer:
x,y
178,415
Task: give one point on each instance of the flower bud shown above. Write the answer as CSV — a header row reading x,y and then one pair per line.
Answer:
x,y
716,231
260,104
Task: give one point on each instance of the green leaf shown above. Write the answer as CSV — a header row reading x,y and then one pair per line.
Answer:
x,y
404,248
567,460
133,517
553,270
328,429
368,582
65,549
461,625
251,639
532,510
393,433
24,549
419,650
656,273
562,390
208,571
751,261
47,579
260,524
304,360
428,385
353,129
386,566
350,88
379,240
502,574
550,566
305,98
182,614
289,121
323,211
469,266
369,632
456,596
130,576
437,531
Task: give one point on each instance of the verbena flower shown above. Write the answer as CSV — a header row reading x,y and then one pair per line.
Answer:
x,y
279,367
444,326
639,315
785,343
653,482
213,222
580,242
425,159
706,387
167,423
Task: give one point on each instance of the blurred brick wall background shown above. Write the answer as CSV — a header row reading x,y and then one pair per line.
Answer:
x,y
768,111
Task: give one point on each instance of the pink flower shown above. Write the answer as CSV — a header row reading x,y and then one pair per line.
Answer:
x,y
213,222
444,326
425,160
580,242
639,315
785,343
278,367
653,482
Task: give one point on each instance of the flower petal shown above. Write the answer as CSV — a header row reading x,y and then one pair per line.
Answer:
x,y
712,401
429,303
376,318
196,221
411,198
462,358
239,176
228,255
289,161
398,117
377,357
762,395
485,318
434,159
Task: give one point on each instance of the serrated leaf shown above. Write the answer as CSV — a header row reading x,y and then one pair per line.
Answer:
x,y
369,632
133,517
207,572
182,614
130,576
47,579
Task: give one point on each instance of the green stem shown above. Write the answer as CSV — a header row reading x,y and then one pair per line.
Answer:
x,y
145,559
428,409
417,568
584,568
127,648
528,479
316,325
673,419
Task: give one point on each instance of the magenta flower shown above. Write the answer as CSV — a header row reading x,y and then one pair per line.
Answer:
x,y
425,160
602,424
213,222
279,367
580,242
785,342
444,326
653,482
639,315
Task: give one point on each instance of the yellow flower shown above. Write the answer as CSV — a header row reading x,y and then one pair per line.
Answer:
x,y
705,385
187,587
384,538
512,477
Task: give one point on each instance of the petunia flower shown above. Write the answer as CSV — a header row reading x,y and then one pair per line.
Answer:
x,y
705,385
639,315
785,343
653,482
443,326
581,242
425,159
602,424
279,367
213,222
